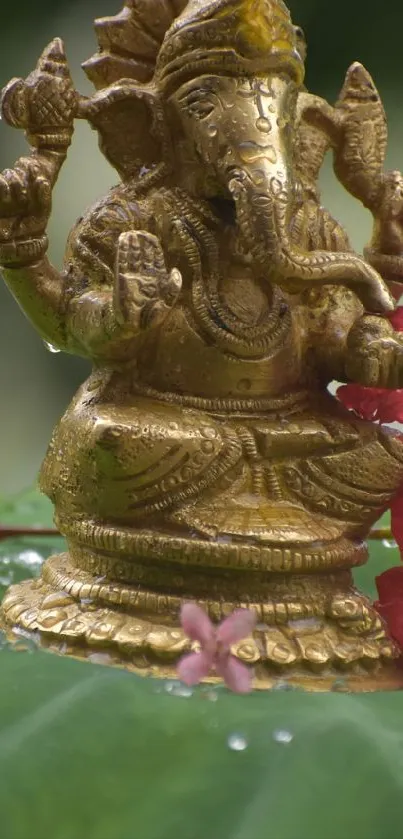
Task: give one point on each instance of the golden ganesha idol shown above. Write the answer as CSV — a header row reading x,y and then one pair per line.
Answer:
x,y
204,459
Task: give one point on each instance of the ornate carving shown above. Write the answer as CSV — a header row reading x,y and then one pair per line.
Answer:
x,y
217,299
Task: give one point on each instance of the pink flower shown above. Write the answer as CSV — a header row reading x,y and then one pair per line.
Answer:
x,y
215,646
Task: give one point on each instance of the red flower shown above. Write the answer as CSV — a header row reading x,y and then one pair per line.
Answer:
x,y
390,603
374,404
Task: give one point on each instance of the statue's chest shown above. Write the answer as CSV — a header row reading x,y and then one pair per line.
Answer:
x,y
245,295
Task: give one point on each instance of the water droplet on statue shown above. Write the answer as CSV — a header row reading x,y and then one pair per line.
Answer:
x,y
51,347
250,152
282,736
264,124
212,130
389,543
237,742
87,604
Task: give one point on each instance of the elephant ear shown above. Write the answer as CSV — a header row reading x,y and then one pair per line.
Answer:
x,y
125,110
131,127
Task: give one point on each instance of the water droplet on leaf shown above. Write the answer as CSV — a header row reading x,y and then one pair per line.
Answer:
x,y
237,742
389,543
25,641
281,735
100,658
178,689
211,695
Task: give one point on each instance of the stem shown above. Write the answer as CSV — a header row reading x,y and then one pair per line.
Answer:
x,y
10,532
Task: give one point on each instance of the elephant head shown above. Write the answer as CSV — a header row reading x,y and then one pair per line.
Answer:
x,y
226,80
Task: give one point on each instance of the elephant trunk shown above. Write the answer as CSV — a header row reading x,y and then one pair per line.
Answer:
x,y
261,181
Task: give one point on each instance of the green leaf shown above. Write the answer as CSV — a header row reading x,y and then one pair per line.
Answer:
x,y
96,752
28,508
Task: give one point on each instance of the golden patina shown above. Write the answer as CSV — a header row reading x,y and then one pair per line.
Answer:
x,y
204,459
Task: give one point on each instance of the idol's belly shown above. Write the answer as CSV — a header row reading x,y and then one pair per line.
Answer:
x,y
181,359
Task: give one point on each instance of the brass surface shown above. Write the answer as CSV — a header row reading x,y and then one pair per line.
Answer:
x,y
204,458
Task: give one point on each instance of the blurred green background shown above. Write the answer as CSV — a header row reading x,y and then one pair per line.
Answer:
x,y
35,385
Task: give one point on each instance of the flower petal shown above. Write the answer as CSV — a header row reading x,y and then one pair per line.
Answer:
x,y
392,613
196,623
194,667
396,319
396,510
237,676
237,626
365,401
390,586
390,408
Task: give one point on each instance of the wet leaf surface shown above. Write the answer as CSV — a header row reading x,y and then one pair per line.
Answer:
x,y
94,752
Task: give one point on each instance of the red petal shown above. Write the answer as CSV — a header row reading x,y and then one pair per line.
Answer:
x,y
391,406
392,613
365,401
237,626
396,510
390,585
396,319
196,624
373,403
